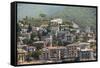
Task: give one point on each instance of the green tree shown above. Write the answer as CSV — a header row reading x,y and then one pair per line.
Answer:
x,y
48,27
25,20
36,54
31,40
43,16
60,43
26,41
70,26
38,46
85,38
18,29
76,38
33,35
29,28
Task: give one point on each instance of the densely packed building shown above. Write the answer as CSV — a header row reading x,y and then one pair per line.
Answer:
x,y
55,43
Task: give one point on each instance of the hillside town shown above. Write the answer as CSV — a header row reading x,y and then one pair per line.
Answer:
x,y
53,41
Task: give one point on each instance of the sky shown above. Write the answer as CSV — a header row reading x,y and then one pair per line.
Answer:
x,y
33,10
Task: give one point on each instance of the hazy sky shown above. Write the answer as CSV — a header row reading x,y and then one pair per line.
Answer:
x,y
33,10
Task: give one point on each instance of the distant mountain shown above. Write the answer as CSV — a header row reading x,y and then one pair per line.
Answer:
x,y
83,16
80,15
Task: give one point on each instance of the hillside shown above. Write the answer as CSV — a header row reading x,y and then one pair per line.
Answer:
x,y
83,16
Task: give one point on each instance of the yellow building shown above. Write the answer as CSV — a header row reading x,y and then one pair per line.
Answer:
x,y
21,55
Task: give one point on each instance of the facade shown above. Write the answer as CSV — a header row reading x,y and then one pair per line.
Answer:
x,y
65,36
84,45
72,51
21,55
54,53
86,54
30,48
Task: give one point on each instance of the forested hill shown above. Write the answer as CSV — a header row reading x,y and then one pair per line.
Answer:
x,y
80,15
83,16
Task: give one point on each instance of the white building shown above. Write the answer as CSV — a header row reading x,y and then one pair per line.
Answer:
x,y
76,27
58,21
86,54
72,51
54,53
84,45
